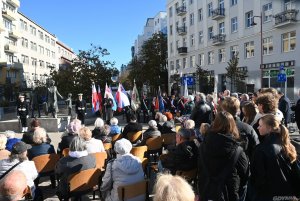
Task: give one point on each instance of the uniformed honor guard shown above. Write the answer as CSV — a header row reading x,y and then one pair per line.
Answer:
x,y
22,113
80,108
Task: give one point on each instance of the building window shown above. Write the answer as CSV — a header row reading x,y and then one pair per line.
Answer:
x,y
184,63
234,25
210,33
268,45
233,2
289,41
234,51
170,11
177,64
177,44
289,4
201,59
221,28
192,61
267,12
200,37
192,19
249,49
192,40
171,29
222,55
209,9
171,65
52,42
200,15
171,47
211,57
191,1
249,19
184,42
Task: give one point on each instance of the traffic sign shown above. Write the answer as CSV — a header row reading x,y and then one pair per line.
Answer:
x,y
189,80
281,77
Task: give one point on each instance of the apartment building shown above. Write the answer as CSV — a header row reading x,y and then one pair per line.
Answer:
x,y
65,55
208,33
160,22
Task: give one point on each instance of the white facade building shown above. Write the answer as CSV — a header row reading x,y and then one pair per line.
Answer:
x,y
160,22
147,33
208,32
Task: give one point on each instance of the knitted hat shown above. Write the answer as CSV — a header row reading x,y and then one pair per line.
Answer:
x,y
123,146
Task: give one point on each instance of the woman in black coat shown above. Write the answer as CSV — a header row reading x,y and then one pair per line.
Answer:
x,y
223,166
270,161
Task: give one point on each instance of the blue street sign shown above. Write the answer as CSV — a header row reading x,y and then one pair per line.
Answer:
x,y
189,80
281,67
281,77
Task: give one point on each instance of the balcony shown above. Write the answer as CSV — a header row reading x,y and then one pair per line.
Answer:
x,y
218,39
182,50
218,13
10,48
14,34
15,3
9,14
2,28
285,18
181,30
181,10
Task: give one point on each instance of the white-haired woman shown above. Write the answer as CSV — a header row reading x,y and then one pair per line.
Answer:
x,y
151,132
40,146
11,139
93,145
3,152
114,127
124,170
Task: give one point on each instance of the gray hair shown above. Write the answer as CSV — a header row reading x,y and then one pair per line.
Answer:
x,y
10,134
114,121
99,123
39,136
3,141
202,97
77,144
152,123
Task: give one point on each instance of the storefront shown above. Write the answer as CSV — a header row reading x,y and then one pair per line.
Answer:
x,y
270,76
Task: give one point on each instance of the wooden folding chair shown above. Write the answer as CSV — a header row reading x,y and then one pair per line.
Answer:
x,y
107,146
83,182
139,151
115,137
45,166
100,159
154,146
133,190
133,137
168,139
65,152
27,193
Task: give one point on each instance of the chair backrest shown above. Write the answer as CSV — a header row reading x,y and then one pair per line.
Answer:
x,y
144,164
84,180
188,175
132,190
169,139
139,151
45,163
115,137
65,152
154,143
134,136
100,159
107,146
177,127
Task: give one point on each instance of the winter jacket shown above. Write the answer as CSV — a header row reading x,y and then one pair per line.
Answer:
x,y
267,175
131,127
124,170
93,145
40,149
181,157
149,133
66,141
285,107
201,114
217,150
100,134
115,129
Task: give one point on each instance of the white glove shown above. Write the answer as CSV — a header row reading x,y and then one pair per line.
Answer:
x,y
18,117
27,116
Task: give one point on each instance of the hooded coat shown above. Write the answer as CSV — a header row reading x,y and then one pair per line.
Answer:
x,y
124,170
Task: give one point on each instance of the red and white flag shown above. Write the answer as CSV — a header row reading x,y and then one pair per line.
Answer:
x,y
95,100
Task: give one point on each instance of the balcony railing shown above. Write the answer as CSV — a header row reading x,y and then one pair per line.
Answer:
x,y
181,30
218,39
182,50
15,3
14,33
181,10
10,48
286,17
9,14
218,13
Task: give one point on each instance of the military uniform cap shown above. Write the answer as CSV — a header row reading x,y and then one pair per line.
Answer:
x,y
80,94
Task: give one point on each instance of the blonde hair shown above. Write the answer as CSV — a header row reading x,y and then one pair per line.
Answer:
x,y
276,127
172,188
204,128
3,141
39,136
85,133
189,124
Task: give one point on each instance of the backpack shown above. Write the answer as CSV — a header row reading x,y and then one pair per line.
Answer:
x,y
213,185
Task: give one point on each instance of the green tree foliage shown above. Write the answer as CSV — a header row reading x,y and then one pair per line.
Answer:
x,y
234,73
151,66
88,67
205,80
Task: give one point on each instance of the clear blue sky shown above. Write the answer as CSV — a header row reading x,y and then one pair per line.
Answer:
x,y
112,24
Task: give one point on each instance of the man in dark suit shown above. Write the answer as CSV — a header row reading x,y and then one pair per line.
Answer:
x,y
285,107
22,113
80,108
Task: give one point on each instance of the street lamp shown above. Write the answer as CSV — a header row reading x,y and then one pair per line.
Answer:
x,y
261,37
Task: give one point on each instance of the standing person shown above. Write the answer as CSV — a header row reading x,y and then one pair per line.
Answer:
x,y
272,159
173,105
201,112
145,108
22,113
285,107
52,99
108,104
80,108
296,108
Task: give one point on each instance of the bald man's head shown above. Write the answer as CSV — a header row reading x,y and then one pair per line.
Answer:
x,y
13,186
